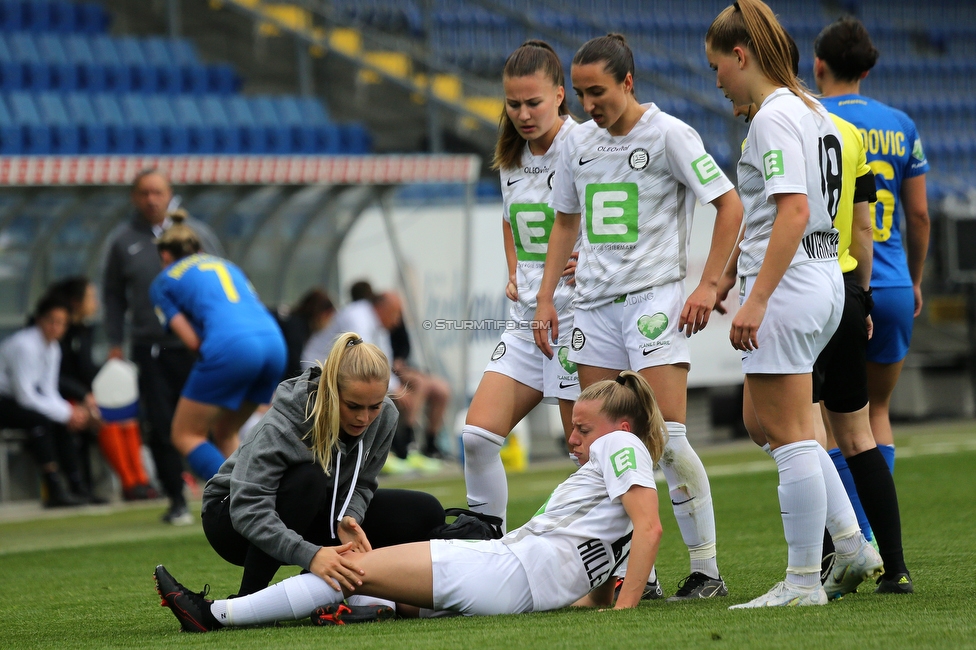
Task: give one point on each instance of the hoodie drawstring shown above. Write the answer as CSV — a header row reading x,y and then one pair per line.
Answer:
x,y
352,487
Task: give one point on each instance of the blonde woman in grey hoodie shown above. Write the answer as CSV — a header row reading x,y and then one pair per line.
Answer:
x,y
302,489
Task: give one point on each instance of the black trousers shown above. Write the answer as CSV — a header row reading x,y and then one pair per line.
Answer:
x,y
48,441
304,503
162,372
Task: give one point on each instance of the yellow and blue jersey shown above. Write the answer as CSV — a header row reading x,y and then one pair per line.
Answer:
x,y
854,165
894,153
214,295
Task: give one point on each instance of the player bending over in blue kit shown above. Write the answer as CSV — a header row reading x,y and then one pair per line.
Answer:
x,y
209,303
565,555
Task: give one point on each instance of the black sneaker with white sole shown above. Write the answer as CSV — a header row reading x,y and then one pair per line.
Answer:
x,y
698,585
343,614
652,590
191,609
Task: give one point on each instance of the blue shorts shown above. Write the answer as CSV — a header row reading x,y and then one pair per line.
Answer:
x,y
245,368
893,317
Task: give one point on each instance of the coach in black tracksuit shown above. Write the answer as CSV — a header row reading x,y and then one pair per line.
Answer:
x,y
130,265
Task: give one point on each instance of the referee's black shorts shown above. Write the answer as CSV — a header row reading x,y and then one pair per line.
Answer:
x,y
840,373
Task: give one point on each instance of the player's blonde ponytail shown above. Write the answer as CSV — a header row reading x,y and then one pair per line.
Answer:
x,y
179,238
752,24
631,398
350,359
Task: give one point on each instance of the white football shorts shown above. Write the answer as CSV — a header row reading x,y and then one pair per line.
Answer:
x,y
638,330
802,314
524,362
478,578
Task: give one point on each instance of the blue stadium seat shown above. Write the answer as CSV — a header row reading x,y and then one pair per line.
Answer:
x,y
11,138
254,138
37,75
169,78
308,136
147,130
222,79
64,71
64,16
227,137
175,134
65,138
202,139
11,72
121,134
278,135
91,18
355,139
92,133
36,136
92,76
11,16
118,77
143,76
37,16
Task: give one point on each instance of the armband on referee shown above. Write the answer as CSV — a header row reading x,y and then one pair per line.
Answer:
x,y
868,301
865,189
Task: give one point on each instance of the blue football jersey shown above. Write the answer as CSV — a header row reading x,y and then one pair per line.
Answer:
x,y
894,152
214,295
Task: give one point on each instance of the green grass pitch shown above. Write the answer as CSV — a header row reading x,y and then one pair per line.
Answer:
x,y
85,581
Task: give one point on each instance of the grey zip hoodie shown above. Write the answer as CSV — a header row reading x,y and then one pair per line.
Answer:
x,y
252,473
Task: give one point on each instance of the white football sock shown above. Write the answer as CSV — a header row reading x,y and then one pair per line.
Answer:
x,y
288,600
803,505
484,474
841,520
691,498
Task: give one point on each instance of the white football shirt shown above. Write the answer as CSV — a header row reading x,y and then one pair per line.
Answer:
x,y
582,532
632,193
790,149
525,197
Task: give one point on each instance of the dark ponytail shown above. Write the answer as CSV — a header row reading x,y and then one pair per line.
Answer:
x,y
846,47
613,50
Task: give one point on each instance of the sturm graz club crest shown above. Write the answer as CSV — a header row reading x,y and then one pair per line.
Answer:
x,y
578,340
638,159
549,180
499,352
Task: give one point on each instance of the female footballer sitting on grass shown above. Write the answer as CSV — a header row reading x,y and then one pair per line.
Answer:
x,y
304,481
565,555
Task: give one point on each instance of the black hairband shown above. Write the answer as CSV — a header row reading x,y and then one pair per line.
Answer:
x,y
355,341
621,380
736,5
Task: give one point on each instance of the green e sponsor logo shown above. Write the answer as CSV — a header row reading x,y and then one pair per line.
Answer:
x,y
623,460
531,225
611,213
917,152
705,169
773,164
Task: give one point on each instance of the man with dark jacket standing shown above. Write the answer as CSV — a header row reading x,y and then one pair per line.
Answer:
x,y
130,265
